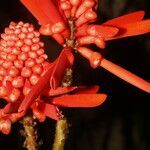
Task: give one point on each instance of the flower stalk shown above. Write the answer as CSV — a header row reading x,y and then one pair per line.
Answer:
x,y
60,134
30,132
62,127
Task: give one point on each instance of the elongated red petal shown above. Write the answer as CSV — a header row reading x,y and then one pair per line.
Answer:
x,y
102,30
129,18
57,4
50,10
58,91
80,100
35,9
61,64
125,75
36,90
97,30
132,29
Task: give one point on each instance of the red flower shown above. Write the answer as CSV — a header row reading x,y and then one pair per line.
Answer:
x,y
29,81
76,15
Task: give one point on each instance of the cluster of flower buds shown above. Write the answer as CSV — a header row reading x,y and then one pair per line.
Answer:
x,y
21,58
22,63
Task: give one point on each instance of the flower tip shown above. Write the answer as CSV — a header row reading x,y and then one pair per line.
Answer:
x,y
5,126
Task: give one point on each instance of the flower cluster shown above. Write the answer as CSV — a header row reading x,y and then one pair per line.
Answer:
x,y
70,23
28,81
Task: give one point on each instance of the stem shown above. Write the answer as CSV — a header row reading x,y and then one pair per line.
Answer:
x,y
62,125
30,133
60,134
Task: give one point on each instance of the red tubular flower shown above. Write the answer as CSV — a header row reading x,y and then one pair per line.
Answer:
x,y
128,25
29,81
82,13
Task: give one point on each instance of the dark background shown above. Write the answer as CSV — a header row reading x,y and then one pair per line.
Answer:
x,y
122,122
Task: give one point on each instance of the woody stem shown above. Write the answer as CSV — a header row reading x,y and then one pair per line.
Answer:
x,y
30,133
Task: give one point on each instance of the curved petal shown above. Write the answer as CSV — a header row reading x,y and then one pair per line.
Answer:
x,y
125,75
50,10
79,100
44,11
129,18
35,9
104,31
132,29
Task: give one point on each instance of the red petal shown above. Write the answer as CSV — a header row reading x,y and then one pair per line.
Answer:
x,y
88,90
129,18
41,110
36,90
57,4
80,100
61,64
102,30
51,111
58,91
44,11
50,10
132,29
125,75
35,9
97,30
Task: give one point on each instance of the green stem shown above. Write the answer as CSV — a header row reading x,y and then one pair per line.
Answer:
x,y
62,127
60,134
30,133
